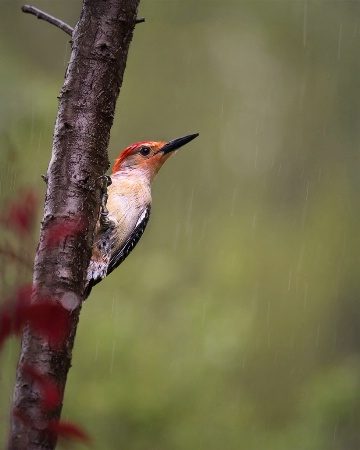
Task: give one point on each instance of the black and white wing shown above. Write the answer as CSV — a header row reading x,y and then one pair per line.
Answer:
x,y
118,256
106,256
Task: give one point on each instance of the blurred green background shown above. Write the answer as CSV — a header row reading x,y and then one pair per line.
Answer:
x,y
235,322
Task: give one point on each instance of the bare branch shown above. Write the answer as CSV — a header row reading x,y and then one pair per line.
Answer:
x,y
50,19
140,20
82,131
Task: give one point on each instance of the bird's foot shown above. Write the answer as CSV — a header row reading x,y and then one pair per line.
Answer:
x,y
105,222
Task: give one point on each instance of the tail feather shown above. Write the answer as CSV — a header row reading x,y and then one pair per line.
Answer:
x,y
96,272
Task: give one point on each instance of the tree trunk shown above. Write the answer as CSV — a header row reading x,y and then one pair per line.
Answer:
x,y
87,101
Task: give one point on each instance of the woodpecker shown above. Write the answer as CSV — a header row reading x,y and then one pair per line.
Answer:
x,y
126,205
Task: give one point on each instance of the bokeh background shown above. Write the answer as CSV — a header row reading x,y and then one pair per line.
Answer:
x,y
235,323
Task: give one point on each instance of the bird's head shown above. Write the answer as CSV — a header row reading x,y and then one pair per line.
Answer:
x,y
148,157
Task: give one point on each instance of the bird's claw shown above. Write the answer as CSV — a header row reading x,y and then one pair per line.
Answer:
x,y
105,222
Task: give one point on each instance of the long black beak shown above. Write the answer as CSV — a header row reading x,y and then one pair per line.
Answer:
x,y
177,143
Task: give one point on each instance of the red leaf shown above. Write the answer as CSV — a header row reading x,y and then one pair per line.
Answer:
x,y
6,326
50,319
46,317
65,430
69,431
13,313
51,396
21,213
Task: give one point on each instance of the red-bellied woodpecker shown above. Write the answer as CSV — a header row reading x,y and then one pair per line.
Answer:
x,y
126,205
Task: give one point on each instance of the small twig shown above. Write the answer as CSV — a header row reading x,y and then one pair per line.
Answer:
x,y
44,16
140,20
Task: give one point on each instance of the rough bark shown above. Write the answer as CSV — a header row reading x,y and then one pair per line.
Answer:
x,y
87,100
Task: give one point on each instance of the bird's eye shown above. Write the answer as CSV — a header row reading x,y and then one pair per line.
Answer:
x,y
144,151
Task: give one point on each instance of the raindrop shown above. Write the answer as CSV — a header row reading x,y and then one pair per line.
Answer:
x,y
272,162
324,128
253,222
32,126
318,335
319,175
344,242
66,54
335,341
188,219
222,107
233,202
340,37
305,295
305,24
276,356
335,429
203,313
301,258
112,356
39,144
176,235
289,280
307,191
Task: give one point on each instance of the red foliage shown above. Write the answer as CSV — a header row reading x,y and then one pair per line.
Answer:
x,y
51,397
11,315
69,431
66,431
46,317
20,214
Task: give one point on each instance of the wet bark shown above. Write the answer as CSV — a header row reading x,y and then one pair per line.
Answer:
x,y
87,100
